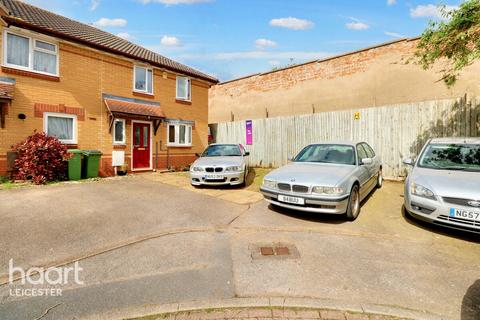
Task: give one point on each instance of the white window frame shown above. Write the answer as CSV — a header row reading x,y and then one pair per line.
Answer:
x,y
124,141
146,80
188,139
62,115
32,47
189,98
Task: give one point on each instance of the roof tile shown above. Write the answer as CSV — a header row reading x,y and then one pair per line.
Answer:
x,y
6,90
134,108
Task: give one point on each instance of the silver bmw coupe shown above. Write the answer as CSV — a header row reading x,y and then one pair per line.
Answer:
x,y
444,185
220,164
329,178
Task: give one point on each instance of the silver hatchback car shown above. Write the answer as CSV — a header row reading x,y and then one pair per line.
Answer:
x,y
220,164
444,185
329,178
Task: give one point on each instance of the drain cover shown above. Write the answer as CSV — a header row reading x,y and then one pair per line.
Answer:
x,y
274,250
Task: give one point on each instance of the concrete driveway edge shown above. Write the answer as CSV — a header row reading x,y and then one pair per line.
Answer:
x,y
274,302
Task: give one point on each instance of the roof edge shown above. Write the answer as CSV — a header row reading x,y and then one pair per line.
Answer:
x,y
19,22
383,44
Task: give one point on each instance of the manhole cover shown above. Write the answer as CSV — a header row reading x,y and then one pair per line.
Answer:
x,y
274,250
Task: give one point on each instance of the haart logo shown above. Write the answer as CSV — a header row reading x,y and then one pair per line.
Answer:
x,y
48,277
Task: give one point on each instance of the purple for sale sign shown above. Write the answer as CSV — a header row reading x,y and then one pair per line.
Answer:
x,y
249,131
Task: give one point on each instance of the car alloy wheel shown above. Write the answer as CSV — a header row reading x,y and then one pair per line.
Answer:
x,y
353,209
380,179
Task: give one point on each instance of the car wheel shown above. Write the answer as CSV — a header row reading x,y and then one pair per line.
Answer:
x,y
379,179
353,209
244,183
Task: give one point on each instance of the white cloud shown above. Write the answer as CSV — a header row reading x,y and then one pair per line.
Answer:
x,y
174,2
106,22
251,55
94,4
357,25
391,2
170,41
274,63
292,23
124,35
430,11
394,34
265,43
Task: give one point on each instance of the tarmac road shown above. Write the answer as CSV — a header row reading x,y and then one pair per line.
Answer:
x,y
146,243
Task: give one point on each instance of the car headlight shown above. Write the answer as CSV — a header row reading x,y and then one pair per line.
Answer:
x,y
197,169
233,169
328,190
269,184
421,191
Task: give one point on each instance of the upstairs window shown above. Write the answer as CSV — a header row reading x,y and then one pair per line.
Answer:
x,y
31,54
143,80
45,57
184,89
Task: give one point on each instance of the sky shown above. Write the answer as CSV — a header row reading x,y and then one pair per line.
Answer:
x,y
234,38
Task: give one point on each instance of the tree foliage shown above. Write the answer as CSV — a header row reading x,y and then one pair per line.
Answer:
x,y
454,41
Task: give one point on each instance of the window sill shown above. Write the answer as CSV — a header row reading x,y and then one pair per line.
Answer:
x,y
119,146
179,145
186,102
144,95
31,74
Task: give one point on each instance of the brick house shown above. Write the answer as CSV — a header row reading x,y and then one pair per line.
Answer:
x,y
94,90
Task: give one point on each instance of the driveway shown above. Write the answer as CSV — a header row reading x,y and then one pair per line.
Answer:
x,y
144,243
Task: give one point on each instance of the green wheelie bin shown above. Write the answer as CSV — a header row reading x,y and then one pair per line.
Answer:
x,y
75,164
91,163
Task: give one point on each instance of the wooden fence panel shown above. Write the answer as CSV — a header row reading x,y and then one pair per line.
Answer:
x,y
394,131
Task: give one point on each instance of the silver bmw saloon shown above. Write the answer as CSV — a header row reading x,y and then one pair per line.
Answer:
x,y
330,178
444,185
220,164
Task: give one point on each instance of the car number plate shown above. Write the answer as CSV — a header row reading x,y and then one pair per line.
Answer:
x,y
293,200
465,214
214,177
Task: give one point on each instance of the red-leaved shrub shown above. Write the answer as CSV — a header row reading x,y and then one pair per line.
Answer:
x,y
41,158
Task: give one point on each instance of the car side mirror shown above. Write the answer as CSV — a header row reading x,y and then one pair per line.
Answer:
x,y
367,161
197,155
409,162
247,154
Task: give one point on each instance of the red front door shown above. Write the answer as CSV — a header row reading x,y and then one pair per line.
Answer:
x,y
141,145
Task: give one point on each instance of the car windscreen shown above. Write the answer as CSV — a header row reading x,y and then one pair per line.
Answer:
x,y
224,150
451,157
327,153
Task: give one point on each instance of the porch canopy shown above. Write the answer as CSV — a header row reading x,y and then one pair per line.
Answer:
x,y
120,107
7,89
